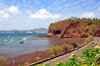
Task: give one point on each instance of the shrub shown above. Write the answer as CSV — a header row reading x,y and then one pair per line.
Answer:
x,y
54,49
61,23
45,58
27,63
53,55
74,45
73,29
69,22
38,58
99,44
3,61
51,24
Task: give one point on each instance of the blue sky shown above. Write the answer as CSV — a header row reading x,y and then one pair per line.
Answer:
x,y
31,14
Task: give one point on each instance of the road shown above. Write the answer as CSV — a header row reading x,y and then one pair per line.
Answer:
x,y
65,57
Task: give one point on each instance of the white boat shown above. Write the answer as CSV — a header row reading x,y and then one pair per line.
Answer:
x,y
5,40
10,42
24,38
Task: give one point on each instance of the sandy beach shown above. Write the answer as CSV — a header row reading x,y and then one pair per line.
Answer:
x,y
31,57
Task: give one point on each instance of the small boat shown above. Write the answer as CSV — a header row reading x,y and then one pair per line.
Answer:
x,y
8,36
6,41
1,43
10,42
24,38
1,38
21,42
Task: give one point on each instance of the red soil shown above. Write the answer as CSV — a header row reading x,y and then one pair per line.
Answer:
x,y
31,57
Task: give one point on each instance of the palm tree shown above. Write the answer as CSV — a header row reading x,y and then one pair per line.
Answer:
x,y
86,53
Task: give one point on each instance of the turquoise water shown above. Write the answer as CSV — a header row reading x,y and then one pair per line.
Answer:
x,y
12,47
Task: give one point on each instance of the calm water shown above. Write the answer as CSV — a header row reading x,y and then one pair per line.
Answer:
x,y
12,47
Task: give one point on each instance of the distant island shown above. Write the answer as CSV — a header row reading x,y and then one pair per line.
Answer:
x,y
38,30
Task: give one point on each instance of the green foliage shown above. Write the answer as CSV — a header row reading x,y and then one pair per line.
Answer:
x,y
38,58
99,44
90,57
89,38
64,47
51,24
27,63
54,49
69,22
41,35
53,55
73,29
45,58
3,61
74,44
61,23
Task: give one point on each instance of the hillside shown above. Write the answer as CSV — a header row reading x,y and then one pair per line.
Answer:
x,y
41,30
75,28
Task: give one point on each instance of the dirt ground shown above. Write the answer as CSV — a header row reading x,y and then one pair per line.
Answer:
x,y
31,57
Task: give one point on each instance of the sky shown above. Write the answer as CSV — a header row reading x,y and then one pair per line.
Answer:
x,y
31,14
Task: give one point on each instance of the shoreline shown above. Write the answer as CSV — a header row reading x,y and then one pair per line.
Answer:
x,y
31,56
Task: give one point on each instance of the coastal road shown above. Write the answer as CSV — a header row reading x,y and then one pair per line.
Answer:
x,y
65,57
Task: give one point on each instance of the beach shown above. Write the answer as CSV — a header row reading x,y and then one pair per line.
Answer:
x,y
31,56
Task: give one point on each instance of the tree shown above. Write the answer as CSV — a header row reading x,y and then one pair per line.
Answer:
x,y
64,47
74,45
54,49
86,53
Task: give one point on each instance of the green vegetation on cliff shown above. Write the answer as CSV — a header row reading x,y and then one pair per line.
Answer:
x,y
75,27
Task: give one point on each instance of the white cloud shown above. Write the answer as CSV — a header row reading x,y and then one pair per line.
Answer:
x,y
43,14
2,11
66,17
6,15
14,10
88,15
99,8
29,12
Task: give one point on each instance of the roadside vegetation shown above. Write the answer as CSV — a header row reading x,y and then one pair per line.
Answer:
x,y
3,61
90,57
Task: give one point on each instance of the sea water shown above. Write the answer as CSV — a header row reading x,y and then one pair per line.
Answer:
x,y
12,47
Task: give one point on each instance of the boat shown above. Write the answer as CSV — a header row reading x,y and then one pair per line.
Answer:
x,y
24,38
1,43
10,42
6,41
21,42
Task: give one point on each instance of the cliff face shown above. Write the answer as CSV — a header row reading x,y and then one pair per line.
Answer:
x,y
73,28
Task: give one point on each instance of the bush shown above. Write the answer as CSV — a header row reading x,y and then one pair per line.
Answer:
x,y
53,55
54,49
74,45
3,61
64,47
99,44
69,22
38,58
73,29
45,58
